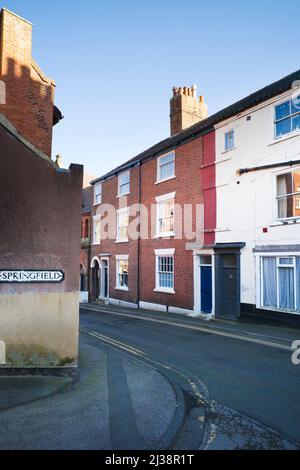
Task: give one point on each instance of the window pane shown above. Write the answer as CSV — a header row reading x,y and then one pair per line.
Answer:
x,y
283,127
287,261
284,184
295,105
296,122
282,110
229,140
165,271
286,288
269,280
287,207
167,166
205,260
229,261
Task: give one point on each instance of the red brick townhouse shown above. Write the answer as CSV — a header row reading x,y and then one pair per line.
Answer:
x,y
167,186
169,269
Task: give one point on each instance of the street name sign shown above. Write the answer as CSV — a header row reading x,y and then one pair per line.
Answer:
x,y
31,275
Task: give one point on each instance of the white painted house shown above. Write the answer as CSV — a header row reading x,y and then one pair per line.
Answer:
x,y
258,197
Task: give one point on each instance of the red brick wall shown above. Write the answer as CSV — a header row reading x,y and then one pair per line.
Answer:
x,y
29,94
208,172
109,196
187,185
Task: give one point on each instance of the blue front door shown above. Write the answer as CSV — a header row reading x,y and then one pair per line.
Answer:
x,y
206,288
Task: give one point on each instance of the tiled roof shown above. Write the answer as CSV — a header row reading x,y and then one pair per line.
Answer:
x,y
205,126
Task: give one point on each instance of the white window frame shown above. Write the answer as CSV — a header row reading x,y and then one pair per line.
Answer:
x,y
120,212
259,277
159,201
170,177
120,185
283,219
97,202
118,259
169,252
96,240
225,136
275,121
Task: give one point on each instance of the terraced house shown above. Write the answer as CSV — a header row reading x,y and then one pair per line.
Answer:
x,y
218,212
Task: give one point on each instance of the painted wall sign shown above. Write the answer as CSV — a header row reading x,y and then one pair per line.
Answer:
x,y
31,275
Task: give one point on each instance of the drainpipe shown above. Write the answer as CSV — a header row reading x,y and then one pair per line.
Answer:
x,y
139,239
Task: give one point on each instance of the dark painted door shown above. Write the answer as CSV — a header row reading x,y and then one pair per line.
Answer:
x,y
229,285
206,288
96,284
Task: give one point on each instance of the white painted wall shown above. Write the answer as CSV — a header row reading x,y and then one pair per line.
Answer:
x,y
246,203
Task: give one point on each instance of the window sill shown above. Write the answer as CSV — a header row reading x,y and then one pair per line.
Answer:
x,y
276,309
122,241
164,290
165,235
165,179
285,137
97,204
124,289
225,152
118,196
283,222
96,243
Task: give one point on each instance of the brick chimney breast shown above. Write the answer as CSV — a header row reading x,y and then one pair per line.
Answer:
x,y
186,108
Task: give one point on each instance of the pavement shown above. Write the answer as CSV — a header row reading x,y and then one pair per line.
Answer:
x,y
124,398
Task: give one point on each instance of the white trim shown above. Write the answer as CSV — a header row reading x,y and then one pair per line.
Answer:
x,y
125,289
197,282
104,258
122,303
182,311
164,290
166,197
122,257
151,306
165,252
165,179
95,258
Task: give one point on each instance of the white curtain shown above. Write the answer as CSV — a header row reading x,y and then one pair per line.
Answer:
x,y
298,282
286,288
269,282
282,202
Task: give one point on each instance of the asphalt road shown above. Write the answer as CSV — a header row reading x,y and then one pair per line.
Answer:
x,y
260,382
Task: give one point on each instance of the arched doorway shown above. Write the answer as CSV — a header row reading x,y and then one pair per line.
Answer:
x,y
95,278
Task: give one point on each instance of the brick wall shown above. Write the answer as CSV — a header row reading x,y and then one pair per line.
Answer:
x,y
187,185
110,247
29,93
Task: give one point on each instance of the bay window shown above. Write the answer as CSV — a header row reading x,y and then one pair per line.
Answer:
x,y
280,281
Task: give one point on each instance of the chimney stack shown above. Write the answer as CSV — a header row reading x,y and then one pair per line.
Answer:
x,y
186,109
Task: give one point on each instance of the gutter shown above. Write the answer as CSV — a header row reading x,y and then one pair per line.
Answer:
x,y
242,171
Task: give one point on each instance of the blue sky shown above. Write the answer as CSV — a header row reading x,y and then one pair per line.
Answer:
x,y
115,64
